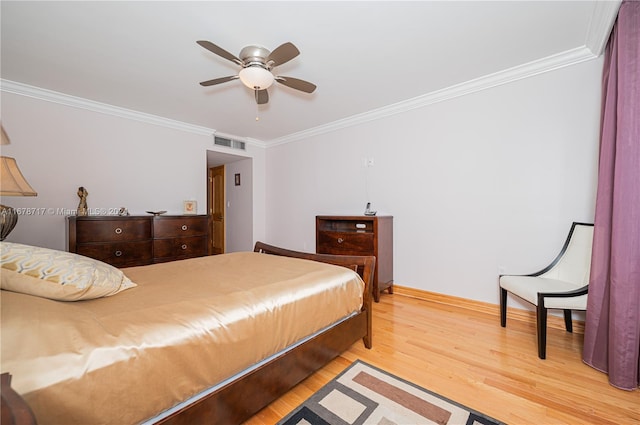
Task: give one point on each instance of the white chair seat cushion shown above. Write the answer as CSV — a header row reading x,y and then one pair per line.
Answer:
x,y
527,288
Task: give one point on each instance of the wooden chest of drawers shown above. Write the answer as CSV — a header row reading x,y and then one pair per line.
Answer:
x,y
360,235
138,240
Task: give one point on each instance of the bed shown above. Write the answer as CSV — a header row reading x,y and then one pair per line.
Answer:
x,y
224,347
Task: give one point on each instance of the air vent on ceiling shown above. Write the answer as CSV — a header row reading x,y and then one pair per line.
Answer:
x,y
230,143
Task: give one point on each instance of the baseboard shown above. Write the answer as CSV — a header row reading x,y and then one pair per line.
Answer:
x,y
484,307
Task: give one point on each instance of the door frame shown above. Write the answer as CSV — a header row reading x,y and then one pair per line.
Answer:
x,y
210,207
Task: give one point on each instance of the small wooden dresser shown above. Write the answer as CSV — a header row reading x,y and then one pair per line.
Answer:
x,y
360,235
126,241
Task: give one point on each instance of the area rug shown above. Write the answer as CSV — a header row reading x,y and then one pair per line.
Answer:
x,y
364,394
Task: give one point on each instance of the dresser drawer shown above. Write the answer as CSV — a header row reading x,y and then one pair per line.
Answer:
x,y
171,227
345,243
119,254
194,246
112,230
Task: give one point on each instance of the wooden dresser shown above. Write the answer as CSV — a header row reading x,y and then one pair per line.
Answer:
x,y
360,235
126,241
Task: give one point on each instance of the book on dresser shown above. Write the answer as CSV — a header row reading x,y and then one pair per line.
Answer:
x,y
360,235
125,241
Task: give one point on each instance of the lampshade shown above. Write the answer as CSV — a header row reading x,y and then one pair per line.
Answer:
x,y
12,182
256,77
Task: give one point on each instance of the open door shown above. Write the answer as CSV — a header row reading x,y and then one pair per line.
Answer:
x,y
216,201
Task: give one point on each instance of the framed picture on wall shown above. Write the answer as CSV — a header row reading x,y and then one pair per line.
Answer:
x,y
237,179
190,207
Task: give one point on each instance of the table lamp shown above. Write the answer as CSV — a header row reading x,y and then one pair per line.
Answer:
x,y
12,183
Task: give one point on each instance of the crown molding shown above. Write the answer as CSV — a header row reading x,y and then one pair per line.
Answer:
x,y
602,19
550,63
21,89
103,108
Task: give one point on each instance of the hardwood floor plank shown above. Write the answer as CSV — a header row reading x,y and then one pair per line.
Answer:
x,y
462,353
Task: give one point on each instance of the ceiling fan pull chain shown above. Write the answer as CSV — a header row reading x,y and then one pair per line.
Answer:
x,y
257,105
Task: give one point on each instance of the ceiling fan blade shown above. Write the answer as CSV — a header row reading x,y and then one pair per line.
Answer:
x,y
218,80
283,53
297,84
219,51
262,96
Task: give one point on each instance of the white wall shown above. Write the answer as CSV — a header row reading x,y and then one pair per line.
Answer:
x,y
121,162
239,211
487,180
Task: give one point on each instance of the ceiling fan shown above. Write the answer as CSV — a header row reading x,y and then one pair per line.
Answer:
x,y
257,64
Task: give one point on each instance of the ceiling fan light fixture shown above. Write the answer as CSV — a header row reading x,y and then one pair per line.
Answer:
x,y
257,64
256,77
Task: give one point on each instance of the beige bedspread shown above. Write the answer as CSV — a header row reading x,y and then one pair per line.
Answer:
x,y
188,325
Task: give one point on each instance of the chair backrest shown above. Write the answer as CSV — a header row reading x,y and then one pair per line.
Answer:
x,y
574,262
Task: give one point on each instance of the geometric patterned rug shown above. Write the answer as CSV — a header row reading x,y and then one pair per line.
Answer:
x,y
363,394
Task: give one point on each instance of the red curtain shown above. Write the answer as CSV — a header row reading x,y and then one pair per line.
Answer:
x,y
612,327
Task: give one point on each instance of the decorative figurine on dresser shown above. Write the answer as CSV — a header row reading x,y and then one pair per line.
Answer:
x,y
82,205
129,240
360,235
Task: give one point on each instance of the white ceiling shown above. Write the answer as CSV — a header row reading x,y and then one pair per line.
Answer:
x,y
363,56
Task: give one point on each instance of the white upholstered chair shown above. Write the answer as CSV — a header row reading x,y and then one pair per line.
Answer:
x,y
563,284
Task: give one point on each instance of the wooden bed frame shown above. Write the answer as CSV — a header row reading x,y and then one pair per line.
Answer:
x,y
244,397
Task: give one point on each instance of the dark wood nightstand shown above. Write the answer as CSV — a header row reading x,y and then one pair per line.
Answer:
x,y
360,235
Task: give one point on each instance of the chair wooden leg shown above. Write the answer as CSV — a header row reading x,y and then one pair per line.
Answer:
x,y
503,307
567,321
542,329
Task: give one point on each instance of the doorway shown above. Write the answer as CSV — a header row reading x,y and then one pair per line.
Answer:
x,y
215,208
236,208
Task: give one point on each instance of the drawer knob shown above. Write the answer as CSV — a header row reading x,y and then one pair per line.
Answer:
x,y
184,246
118,230
184,227
118,253
340,240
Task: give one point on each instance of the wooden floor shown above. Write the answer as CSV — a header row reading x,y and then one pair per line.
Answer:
x,y
465,355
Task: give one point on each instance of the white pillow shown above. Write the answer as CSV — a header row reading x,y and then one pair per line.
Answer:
x,y
58,275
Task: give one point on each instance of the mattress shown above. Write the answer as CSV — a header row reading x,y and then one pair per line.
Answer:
x,y
187,325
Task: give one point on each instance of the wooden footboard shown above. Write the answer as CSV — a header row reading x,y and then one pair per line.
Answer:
x,y
244,397
364,266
